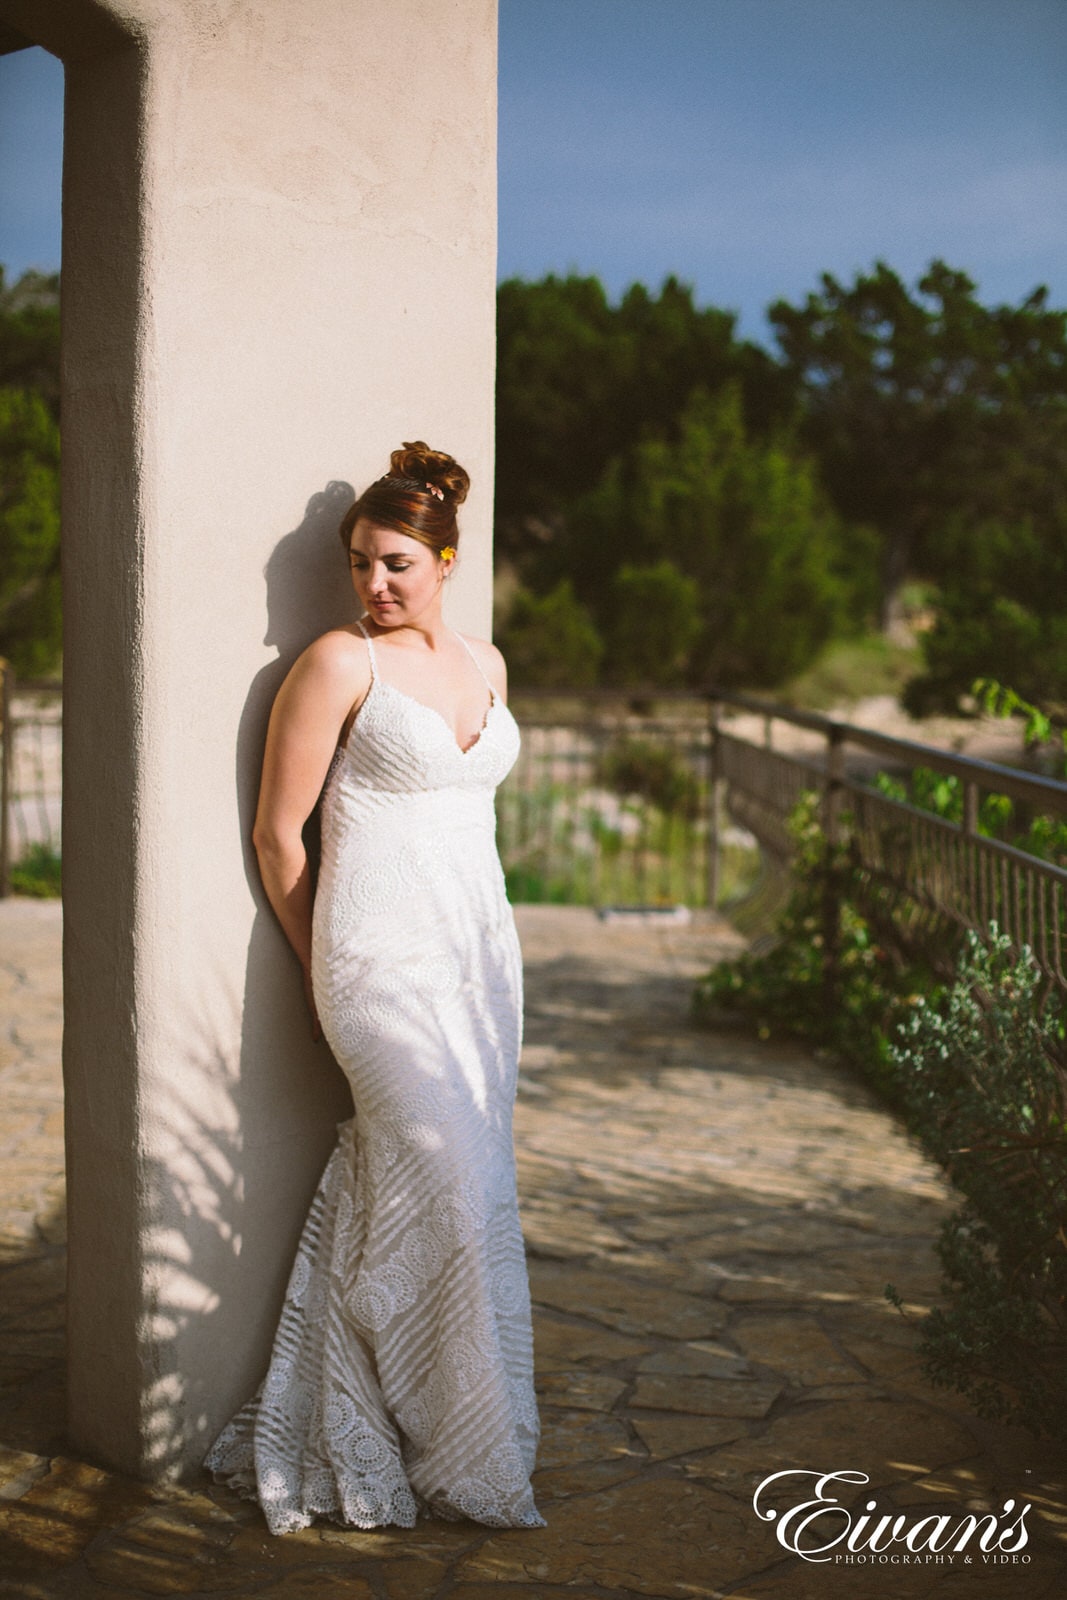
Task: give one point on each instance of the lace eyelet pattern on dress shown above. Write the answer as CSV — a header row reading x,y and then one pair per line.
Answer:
x,y
401,1378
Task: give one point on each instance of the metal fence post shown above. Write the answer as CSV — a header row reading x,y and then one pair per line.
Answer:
x,y
933,876
835,771
714,830
7,750
831,896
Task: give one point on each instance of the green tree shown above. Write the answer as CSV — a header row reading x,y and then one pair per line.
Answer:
x,y
30,626
743,520
550,641
580,380
931,415
29,335
552,397
1000,612
654,621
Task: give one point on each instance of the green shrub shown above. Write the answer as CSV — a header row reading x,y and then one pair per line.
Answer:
x,y
980,1072
38,873
654,771
828,976
528,886
550,640
652,624
976,1066
1016,626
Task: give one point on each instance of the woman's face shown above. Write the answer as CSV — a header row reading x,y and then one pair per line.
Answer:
x,y
396,579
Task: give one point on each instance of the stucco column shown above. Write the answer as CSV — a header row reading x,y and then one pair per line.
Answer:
x,y
279,261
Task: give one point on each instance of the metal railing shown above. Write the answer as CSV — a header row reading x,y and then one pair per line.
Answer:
x,y
608,802
31,759
934,875
624,798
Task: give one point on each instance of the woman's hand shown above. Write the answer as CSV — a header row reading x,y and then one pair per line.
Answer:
x,y
309,996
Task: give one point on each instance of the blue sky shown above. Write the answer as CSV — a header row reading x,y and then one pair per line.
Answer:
x,y
31,153
744,145
748,145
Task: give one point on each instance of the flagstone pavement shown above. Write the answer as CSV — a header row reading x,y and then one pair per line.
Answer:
x,y
711,1221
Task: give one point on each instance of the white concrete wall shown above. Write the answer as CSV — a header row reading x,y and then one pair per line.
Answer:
x,y
279,262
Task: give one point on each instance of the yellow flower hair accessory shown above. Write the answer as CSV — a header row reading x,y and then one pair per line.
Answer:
x,y
448,553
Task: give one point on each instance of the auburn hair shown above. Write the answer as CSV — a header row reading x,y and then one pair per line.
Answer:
x,y
418,496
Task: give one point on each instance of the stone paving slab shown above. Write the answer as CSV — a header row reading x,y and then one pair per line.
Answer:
x,y
711,1224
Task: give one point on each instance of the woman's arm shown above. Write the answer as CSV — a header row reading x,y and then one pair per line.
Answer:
x,y
331,677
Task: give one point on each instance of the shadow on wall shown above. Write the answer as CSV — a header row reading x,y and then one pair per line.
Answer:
x,y
292,1094
249,1126
309,591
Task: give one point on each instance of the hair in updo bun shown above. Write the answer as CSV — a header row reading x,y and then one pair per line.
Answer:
x,y
418,497
431,467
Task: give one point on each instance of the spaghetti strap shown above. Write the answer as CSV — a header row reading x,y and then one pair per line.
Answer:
x,y
370,653
477,663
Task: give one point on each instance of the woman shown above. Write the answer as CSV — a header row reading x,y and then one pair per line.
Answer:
x,y
402,1372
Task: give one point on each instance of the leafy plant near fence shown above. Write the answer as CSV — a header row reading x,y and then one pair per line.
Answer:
x,y
975,1064
942,794
827,976
654,771
980,1071
1039,731
998,817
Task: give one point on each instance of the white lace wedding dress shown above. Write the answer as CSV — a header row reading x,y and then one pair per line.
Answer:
x,y
401,1377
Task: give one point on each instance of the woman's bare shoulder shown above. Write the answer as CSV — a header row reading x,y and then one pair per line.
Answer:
x,y
337,662
340,650
491,662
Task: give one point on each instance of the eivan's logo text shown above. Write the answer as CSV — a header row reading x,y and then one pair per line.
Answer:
x,y
820,1528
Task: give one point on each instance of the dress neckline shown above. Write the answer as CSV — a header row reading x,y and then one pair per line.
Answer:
x,y
378,682
413,699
